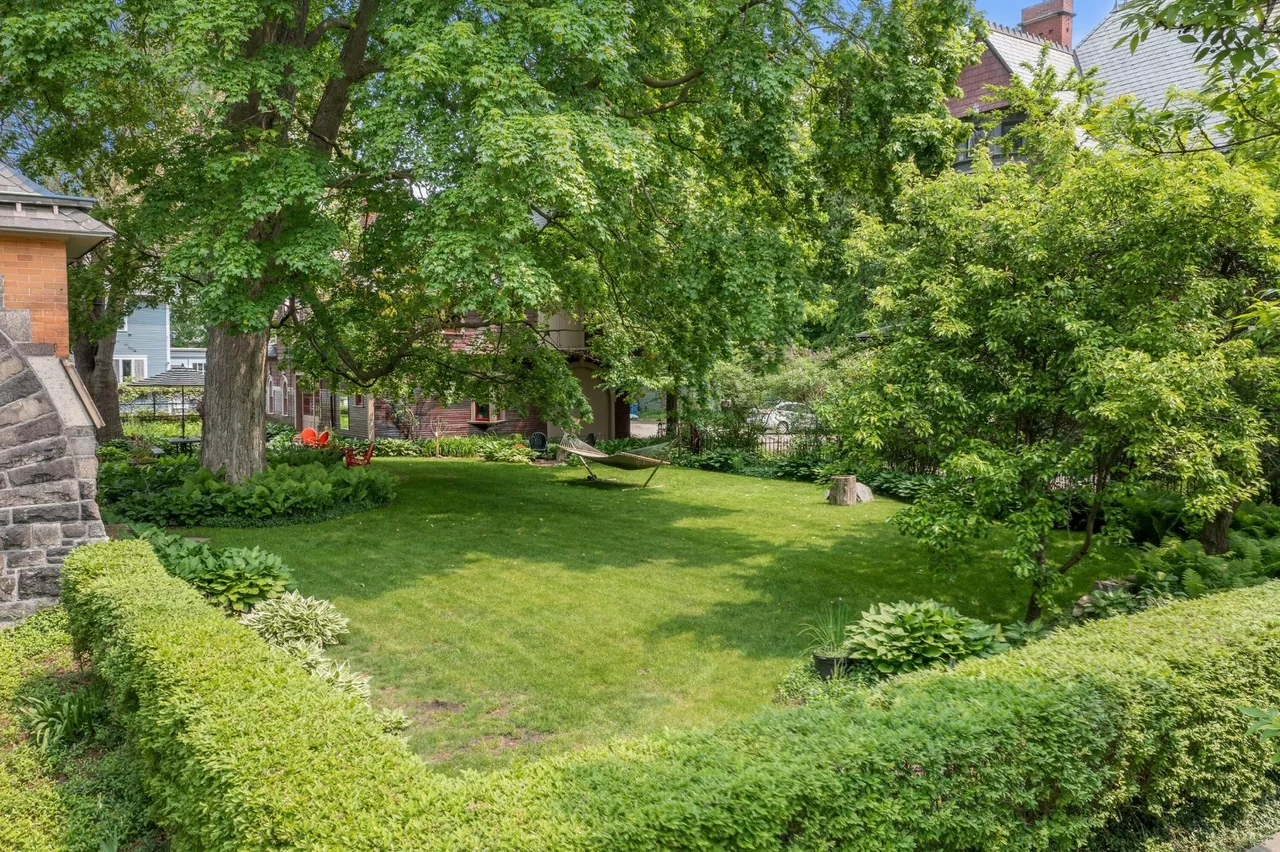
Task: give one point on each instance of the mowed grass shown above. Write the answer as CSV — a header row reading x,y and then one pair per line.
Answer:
x,y
513,610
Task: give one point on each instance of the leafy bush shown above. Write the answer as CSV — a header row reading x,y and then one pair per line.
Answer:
x,y
235,578
902,637
1035,749
904,486
1152,515
1259,520
294,618
178,492
506,451
57,721
296,455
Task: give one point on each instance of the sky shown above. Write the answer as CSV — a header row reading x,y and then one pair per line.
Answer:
x,y
1009,13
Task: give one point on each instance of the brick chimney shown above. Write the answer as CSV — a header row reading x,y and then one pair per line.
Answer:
x,y
1050,20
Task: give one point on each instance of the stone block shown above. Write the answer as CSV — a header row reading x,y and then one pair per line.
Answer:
x,y
40,582
27,408
82,448
89,511
33,452
87,468
95,531
66,491
44,350
50,512
55,555
48,426
88,489
9,587
15,538
46,535
13,612
24,558
16,325
72,531
42,472
10,365
22,385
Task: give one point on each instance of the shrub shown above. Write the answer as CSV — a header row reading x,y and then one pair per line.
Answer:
x,y
904,486
506,451
57,721
294,618
178,492
235,578
1152,515
297,455
903,637
1035,749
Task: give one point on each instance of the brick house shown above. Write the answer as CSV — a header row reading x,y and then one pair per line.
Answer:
x,y
1160,64
48,471
293,400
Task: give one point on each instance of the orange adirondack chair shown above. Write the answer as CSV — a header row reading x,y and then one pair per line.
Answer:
x,y
307,437
354,460
322,439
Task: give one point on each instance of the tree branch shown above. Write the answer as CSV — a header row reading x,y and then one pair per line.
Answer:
x,y
330,23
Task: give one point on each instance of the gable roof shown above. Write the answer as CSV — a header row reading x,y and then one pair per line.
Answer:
x,y
1018,49
28,207
1161,62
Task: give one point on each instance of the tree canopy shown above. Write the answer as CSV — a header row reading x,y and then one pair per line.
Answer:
x,y
373,178
1053,331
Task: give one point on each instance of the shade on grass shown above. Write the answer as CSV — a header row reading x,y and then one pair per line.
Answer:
x,y
514,610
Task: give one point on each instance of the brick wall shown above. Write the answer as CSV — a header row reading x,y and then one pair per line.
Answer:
x,y
974,81
457,421
35,280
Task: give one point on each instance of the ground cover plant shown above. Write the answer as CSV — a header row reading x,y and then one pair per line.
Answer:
x,y
514,610
68,782
175,490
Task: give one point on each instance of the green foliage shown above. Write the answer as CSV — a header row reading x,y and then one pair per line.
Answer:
x,y
1152,514
235,578
58,721
904,486
1108,603
506,451
1041,353
296,455
177,492
902,637
1035,749
294,618
827,634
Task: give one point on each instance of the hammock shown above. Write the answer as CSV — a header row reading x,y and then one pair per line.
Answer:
x,y
641,458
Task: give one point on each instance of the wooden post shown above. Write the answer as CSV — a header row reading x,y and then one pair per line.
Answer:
x,y
844,491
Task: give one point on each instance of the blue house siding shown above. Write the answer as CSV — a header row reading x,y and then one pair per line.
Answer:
x,y
145,337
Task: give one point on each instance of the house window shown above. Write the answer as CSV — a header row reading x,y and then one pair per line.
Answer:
x,y
128,369
286,402
483,412
344,412
308,404
358,402
270,410
277,402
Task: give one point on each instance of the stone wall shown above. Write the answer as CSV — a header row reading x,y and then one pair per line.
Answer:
x,y
48,470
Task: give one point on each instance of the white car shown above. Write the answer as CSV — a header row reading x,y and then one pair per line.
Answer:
x,y
786,417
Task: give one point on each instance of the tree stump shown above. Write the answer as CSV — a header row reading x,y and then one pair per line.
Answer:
x,y
847,491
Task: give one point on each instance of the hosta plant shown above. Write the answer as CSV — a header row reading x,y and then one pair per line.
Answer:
x,y
902,637
294,618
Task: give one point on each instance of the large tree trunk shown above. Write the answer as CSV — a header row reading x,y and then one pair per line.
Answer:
x,y
1214,536
95,362
234,436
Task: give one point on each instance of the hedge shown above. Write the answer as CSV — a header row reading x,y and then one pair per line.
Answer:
x,y
1035,749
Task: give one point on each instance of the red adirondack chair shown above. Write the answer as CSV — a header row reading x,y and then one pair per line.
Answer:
x,y
307,437
322,439
354,460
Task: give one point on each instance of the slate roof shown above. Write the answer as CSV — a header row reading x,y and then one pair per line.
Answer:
x,y
28,207
1017,50
1159,63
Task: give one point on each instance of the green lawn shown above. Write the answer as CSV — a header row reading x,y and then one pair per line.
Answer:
x,y
515,610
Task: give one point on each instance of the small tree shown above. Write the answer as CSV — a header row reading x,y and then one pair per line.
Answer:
x,y
1055,330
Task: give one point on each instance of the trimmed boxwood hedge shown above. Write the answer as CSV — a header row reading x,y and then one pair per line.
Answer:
x,y
1035,749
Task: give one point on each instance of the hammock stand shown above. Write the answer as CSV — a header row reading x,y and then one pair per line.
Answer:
x,y
643,458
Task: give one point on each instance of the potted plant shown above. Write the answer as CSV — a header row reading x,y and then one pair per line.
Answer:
x,y
826,640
